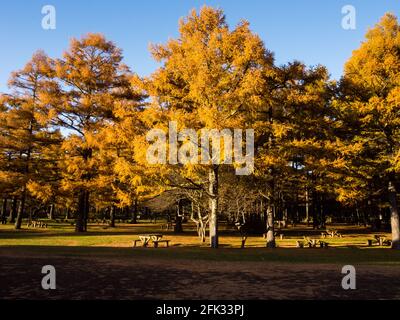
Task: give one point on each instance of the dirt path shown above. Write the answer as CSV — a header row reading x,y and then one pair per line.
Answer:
x,y
148,278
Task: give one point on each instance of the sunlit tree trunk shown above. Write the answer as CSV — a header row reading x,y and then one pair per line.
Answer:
x,y
67,214
51,212
213,191
394,216
112,217
270,227
178,218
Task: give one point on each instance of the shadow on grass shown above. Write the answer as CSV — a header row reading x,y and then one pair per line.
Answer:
x,y
279,255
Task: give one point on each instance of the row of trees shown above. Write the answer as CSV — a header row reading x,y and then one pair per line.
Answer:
x,y
73,130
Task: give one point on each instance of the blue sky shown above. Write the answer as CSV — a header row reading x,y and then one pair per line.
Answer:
x,y
306,30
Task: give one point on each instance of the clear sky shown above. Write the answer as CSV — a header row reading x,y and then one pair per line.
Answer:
x,y
307,30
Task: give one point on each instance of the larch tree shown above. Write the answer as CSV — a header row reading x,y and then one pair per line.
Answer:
x,y
121,182
23,135
369,102
291,129
88,83
209,77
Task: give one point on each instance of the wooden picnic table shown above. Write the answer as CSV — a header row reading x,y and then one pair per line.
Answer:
x,y
380,239
145,238
331,233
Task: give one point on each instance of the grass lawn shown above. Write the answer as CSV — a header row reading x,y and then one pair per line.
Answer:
x,y
100,240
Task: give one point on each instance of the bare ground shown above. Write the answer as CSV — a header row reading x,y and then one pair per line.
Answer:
x,y
152,278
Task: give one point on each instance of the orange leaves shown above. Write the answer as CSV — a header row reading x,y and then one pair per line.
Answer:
x,y
42,192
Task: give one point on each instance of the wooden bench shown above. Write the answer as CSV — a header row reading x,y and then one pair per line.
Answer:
x,y
331,234
146,238
380,241
167,226
37,224
311,243
156,242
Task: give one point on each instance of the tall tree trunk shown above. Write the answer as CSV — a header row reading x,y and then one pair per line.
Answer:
x,y
83,199
307,208
135,212
178,218
394,210
80,214
213,191
112,217
51,212
270,227
315,211
87,209
67,214
4,211
202,225
321,212
21,210
13,211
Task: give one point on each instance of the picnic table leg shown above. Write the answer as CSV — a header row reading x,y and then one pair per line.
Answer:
x,y
145,243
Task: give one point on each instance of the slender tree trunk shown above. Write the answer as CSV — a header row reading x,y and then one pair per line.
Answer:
x,y
366,214
21,210
80,214
51,212
270,227
83,199
321,213
112,217
178,218
30,215
87,209
13,211
394,210
262,211
307,208
4,211
135,212
213,190
314,206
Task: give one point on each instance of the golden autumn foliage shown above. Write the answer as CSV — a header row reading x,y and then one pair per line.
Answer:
x,y
369,115
74,129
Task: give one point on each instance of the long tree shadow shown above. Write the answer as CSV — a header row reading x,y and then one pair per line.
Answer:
x,y
121,274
